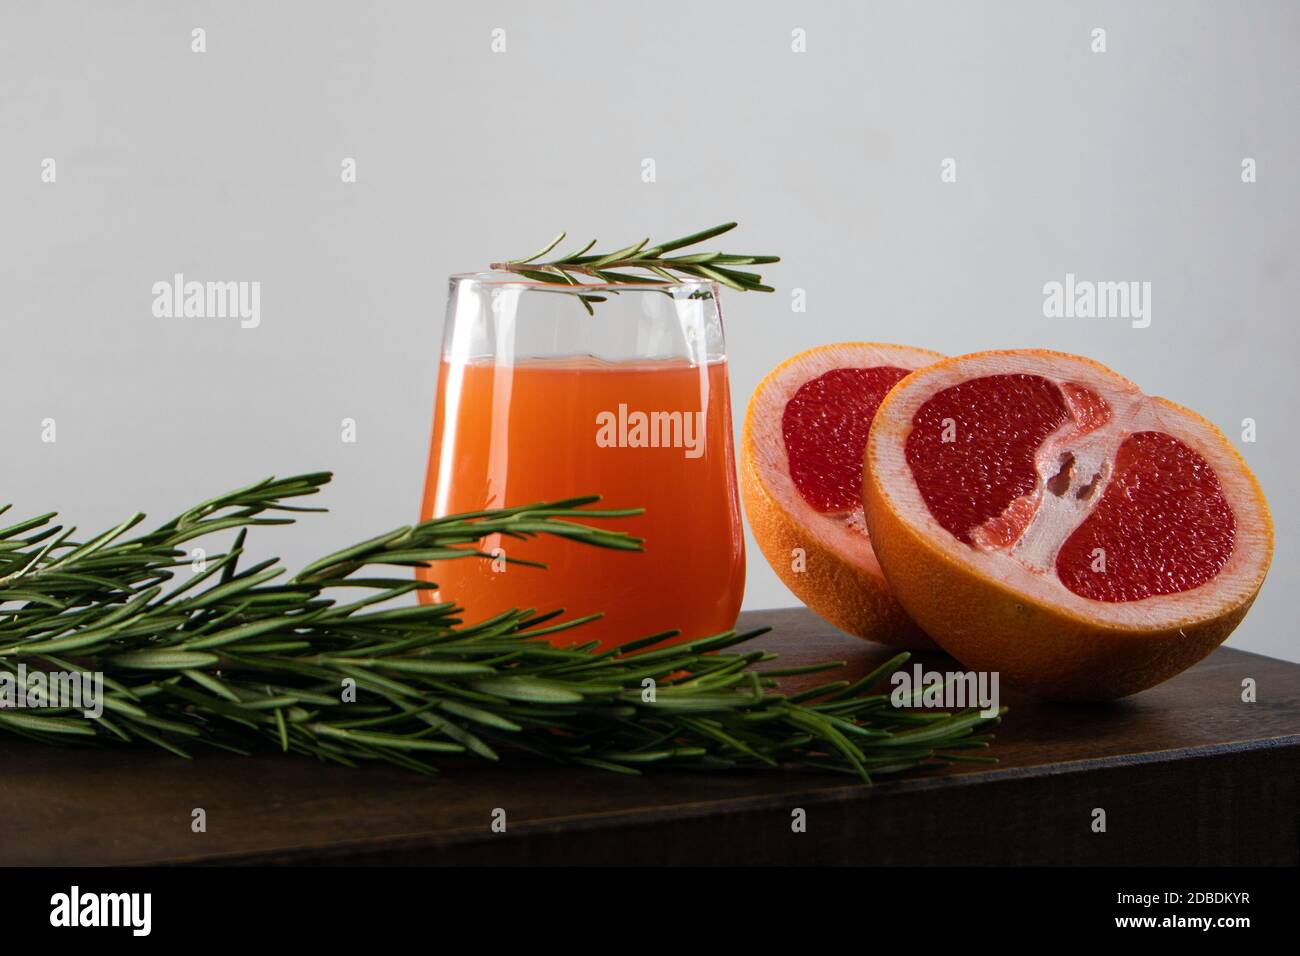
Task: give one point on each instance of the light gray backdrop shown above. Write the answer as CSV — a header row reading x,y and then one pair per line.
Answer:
x,y
1122,165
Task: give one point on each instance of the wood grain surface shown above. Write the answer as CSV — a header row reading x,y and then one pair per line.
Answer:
x,y
1187,773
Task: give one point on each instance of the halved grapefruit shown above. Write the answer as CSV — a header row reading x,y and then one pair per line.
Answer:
x,y
1039,516
801,479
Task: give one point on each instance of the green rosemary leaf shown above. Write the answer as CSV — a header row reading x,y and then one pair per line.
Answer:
x,y
253,629
418,666
480,716
574,256
695,259
460,735
211,683
529,689
34,597
941,730
164,660
625,254
718,276
536,275
135,728
90,547
123,707
52,725
20,527
615,277
543,251
804,669
80,639
348,554
724,259
692,239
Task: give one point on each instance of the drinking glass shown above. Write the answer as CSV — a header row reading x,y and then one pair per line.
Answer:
x,y
539,400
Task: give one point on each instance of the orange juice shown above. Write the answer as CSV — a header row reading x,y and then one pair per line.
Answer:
x,y
652,434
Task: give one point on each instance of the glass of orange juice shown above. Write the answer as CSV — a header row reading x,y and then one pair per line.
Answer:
x,y
538,400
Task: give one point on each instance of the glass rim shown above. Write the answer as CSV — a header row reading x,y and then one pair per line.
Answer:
x,y
514,280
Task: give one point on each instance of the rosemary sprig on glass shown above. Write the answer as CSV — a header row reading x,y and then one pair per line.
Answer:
x,y
606,268
235,657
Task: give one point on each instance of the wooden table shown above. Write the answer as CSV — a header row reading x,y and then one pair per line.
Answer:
x,y
1187,773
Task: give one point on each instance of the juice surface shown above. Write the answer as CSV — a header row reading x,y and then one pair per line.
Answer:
x,y
546,429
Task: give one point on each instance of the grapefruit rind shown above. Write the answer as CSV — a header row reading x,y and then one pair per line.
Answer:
x,y
1008,612
841,580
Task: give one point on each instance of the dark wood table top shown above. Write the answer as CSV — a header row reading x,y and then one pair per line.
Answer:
x,y
1186,773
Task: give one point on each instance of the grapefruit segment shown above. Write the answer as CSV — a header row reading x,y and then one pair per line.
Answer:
x,y
1038,515
1162,520
802,450
825,426
964,430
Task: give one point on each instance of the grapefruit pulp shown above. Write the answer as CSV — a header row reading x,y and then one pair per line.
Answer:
x,y
1039,516
802,450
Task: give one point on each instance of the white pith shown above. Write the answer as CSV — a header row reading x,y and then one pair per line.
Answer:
x,y
843,532
1028,566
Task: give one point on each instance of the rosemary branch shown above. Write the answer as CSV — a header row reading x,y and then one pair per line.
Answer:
x,y
233,659
604,267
